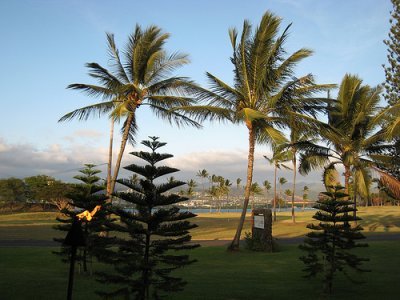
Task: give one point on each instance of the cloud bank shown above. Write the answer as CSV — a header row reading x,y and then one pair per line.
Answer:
x,y
63,162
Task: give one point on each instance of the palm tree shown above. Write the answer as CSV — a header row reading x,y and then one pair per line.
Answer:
x,y
238,188
288,193
299,132
305,195
262,79
301,118
267,187
191,187
355,123
282,181
204,175
278,158
141,78
255,190
134,179
227,189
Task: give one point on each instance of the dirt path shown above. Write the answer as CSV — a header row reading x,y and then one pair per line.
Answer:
x,y
204,243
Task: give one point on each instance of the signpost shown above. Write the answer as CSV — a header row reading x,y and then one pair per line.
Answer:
x,y
259,221
262,228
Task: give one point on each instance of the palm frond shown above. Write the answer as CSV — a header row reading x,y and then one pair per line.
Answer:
x,y
133,129
362,181
270,135
221,93
383,159
174,116
92,90
115,58
103,76
169,101
201,113
285,70
84,113
330,176
310,161
178,86
160,66
312,148
390,182
249,115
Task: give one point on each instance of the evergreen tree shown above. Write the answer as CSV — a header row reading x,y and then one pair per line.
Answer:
x,y
392,70
142,258
392,86
330,242
85,196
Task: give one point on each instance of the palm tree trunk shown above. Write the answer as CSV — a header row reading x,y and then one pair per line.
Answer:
x,y
280,196
110,150
275,192
346,187
294,184
250,163
121,151
346,180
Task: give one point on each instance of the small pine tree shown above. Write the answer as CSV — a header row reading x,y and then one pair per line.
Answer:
x,y
144,257
85,196
329,245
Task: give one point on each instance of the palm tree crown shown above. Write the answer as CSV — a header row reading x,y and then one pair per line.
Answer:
x,y
263,77
141,77
355,123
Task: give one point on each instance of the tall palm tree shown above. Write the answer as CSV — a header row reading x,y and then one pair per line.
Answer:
x,y
238,188
306,189
227,189
355,122
255,190
267,187
238,182
298,133
282,181
301,117
262,79
203,174
141,78
278,159
288,193
191,188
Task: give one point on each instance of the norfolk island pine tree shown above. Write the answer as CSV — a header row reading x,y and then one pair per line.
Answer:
x,y
145,258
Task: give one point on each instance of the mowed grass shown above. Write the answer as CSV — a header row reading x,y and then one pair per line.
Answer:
x,y
35,273
212,226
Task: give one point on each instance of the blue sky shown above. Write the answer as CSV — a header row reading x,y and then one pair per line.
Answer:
x,y
45,44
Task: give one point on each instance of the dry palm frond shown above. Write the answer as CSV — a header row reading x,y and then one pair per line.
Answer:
x,y
392,183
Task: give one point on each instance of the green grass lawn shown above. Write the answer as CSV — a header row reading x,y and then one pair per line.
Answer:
x,y
212,226
35,273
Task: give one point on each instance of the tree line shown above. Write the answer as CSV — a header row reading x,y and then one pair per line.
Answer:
x,y
43,190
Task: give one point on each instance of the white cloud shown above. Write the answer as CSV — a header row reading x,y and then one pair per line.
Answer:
x,y
22,160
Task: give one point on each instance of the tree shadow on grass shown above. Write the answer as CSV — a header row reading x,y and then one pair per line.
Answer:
x,y
373,223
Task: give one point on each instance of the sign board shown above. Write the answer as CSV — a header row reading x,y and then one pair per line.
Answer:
x,y
259,222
